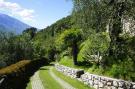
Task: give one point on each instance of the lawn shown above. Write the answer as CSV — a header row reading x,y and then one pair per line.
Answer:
x,y
47,80
75,83
50,83
67,61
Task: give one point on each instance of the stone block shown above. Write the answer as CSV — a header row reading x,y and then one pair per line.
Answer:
x,y
128,85
113,87
79,73
134,86
104,82
95,82
109,83
115,83
121,84
101,85
95,86
120,88
107,87
90,77
91,83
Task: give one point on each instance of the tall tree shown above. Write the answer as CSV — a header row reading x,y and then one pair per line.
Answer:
x,y
71,38
97,14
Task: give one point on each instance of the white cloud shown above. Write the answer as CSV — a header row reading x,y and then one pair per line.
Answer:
x,y
16,9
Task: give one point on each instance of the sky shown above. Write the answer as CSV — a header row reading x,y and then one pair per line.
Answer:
x,y
37,13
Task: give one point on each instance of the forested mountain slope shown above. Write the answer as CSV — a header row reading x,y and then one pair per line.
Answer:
x,y
11,24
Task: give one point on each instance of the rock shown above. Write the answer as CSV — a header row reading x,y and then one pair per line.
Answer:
x,y
107,87
114,87
121,88
104,82
115,83
101,85
79,73
109,83
91,83
90,77
96,82
121,84
128,85
134,86
95,86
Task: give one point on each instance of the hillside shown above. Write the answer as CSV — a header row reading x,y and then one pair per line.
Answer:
x,y
11,24
90,45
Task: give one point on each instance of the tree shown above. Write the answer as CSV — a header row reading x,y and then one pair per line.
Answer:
x,y
97,14
70,38
31,31
93,49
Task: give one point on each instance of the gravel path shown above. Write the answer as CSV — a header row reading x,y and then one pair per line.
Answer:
x,y
64,84
36,83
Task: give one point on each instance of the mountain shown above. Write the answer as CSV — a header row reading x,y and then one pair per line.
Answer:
x,y
10,24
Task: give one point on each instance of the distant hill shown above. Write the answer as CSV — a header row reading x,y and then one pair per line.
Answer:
x,y
11,24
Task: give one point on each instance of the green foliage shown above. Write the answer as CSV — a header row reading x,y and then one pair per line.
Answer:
x,y
97,44
30,31
15,48
46,37
70,38
47,80
67,38
121,71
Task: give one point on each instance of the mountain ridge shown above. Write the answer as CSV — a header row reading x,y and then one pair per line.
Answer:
x,y
10,24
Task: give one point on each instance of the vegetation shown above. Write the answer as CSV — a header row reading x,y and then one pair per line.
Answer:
x,y
47,80
70,38
14,68
18,74
93,37
75,83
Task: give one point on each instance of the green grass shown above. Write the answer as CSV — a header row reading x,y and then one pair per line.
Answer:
x,y
29,86
47,80
67,61
75,83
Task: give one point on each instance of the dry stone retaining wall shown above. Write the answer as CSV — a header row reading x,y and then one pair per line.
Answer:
x,y
98,82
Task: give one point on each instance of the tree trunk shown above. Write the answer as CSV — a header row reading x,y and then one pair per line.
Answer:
x,y
75,53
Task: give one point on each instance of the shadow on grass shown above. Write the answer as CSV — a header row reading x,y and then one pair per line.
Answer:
x,y
84,64
43,69
20,79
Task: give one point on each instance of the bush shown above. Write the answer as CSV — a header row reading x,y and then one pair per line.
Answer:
x,y
124,70
94,48
18,75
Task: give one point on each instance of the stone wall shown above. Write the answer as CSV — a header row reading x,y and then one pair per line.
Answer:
x,y
66,70
98,82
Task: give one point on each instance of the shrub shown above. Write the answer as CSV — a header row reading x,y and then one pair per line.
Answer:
x,y
94,48
124,69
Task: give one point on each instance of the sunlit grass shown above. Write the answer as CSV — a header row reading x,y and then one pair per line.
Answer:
x,y
47,80
67,61
75,83
29,86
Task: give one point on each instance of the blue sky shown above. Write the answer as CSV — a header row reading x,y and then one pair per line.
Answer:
x,y
38,13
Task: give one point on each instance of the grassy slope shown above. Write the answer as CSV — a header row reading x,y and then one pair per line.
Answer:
x,y
75,83
29,86
47,80
67,61
50,83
